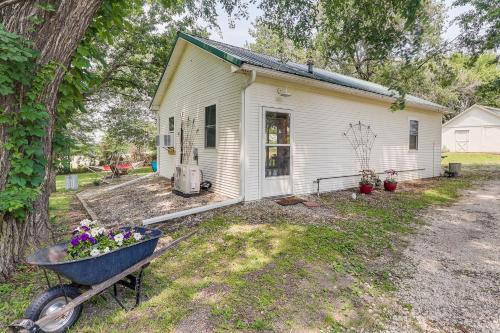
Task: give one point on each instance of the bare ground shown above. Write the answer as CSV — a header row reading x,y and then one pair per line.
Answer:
x,y
449,276
150,197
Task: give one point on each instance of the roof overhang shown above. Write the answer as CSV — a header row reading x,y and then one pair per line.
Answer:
x,y
338,88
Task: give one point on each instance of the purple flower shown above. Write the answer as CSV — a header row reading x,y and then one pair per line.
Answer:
x,y
85,228
75,241
84,237
92,240
127,235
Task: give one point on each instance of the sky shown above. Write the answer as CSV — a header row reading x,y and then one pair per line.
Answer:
x,y
239,35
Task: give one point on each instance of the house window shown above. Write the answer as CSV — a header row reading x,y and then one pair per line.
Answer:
x,y
171,124
413,134
210,126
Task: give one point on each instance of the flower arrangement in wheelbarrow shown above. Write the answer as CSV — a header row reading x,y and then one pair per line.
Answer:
x,y
92,240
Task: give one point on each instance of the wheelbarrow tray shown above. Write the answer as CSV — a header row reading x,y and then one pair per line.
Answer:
x,y
94,270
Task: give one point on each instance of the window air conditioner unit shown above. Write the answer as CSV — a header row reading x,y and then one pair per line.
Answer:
x,y
169,140
187,179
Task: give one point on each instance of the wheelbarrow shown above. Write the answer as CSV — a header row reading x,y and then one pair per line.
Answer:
x,y
59,307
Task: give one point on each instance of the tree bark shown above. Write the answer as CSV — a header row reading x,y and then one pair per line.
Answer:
x,y
56,38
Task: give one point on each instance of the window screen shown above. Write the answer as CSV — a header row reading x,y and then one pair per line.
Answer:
x,y
413,134
210,126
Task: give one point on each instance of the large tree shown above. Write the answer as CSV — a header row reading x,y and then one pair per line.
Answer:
x,y
44,51
54,32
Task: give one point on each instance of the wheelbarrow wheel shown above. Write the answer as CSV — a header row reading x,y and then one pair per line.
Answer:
x,y
51,300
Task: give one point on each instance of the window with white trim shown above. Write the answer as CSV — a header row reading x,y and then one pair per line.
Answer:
x,y
413,134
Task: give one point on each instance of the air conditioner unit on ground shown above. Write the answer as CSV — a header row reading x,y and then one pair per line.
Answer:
x,y
187,180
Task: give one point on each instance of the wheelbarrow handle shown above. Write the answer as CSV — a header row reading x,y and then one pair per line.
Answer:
x,y
23,326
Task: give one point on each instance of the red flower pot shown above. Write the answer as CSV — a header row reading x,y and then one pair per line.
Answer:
x,y
391,187
365,188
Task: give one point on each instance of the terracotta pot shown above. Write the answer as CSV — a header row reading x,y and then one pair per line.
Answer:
x,y
365,188
391,187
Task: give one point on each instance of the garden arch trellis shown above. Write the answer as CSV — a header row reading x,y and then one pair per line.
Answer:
x,y
362,138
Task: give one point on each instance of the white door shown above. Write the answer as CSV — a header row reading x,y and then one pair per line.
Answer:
x,y
461,140
277,180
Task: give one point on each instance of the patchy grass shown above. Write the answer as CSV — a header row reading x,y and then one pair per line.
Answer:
x,y
472,158
280,276
28,281
286,274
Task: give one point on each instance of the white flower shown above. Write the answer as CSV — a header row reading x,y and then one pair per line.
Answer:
x,y
95,252
118,239
97,231
106,250
85,223
137,236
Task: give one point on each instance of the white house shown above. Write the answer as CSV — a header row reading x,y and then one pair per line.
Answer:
x,y
476,129
266,128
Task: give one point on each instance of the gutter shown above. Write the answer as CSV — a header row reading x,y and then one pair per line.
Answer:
x,y
243,144
332,86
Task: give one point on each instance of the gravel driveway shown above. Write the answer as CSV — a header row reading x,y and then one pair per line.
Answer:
x,y
449,276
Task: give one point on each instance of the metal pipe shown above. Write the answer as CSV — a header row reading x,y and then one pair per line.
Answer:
x,y
317,181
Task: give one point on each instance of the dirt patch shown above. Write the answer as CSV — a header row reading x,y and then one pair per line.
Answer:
x,y
449,275
151,197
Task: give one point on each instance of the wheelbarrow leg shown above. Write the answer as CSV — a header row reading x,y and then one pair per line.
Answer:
x,y
117,300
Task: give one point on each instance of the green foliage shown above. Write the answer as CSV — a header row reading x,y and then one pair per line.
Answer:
x,y
15,62
450,81
480,25
25,128
356,37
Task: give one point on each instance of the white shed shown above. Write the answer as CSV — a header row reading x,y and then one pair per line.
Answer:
x,y
266,128
476,130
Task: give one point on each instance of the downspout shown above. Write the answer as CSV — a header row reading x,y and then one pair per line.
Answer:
x,y
243,160
197,210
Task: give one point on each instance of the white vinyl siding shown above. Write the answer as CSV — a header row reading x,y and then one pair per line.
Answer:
x,y
319,147
483,129
201,80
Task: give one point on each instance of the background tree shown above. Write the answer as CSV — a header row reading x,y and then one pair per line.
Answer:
x,y
480,26
357,37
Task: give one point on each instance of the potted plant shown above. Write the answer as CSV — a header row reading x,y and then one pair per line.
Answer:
x,y
366,182
390,182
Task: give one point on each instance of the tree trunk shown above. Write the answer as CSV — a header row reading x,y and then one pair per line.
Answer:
x,y
56,38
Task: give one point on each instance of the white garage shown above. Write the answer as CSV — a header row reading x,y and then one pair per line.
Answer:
x,y
476,130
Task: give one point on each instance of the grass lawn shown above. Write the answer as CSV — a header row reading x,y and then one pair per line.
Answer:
x,y
469,159
264,271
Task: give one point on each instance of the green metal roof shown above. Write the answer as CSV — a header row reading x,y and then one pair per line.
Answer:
x,y
239,56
